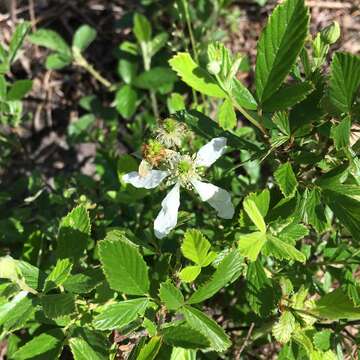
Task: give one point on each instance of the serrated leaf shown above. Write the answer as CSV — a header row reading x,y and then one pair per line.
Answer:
x,y
254,214
293,232
73,235
346,209
58,305
227,271
322,340
341,133
242,96
83,37
344,80
189,273
151,349
315,211
116,316
288,96
284,328
182,335
195,246
171,296
125,99
281,120
226,115
279,46
58,275
282,250
81,350
286,179
250,245
179,353
43,347
123,266
33,277
16,312
51,40
84,282
195,76
197,320
259,291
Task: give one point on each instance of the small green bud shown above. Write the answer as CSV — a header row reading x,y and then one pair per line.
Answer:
x,y
214,67
331,33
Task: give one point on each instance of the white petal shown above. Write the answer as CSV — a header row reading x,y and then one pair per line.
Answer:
x,y
150,181
210,152
167,218
218,198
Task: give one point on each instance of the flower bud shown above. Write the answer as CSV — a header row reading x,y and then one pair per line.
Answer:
x,y
331,33
214,67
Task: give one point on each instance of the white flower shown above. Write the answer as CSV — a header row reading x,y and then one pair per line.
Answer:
x,y
184,171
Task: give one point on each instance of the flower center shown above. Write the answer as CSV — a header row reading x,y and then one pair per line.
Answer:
x,y
169,125
184,167
154,152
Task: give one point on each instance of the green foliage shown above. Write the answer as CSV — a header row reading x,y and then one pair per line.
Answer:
x,y
83,271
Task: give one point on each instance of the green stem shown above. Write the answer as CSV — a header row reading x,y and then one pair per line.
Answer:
x,y
82,62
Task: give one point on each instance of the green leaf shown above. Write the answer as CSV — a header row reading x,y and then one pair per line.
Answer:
x,y
125,99
254,214
227,271
74,233
58,275
242,96
284,328
127,70
171,296
84,282
288,96
81,350
341,133
43,347
51,40
57,61
208,327
281,120
158,42
3,88
58,305
195,76
32,276
116,316
19,89
336,305
124,267
282,250
142,28
322,340
83,37
259,291
226,115
16,312
17,39
182,335
315,211
195,247
155,78
250,245
286,179
189,273
279,46
292,233
346,209
344,80
151,349
175,102
179,353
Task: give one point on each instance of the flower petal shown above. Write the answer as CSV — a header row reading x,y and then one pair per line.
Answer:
x,y
210,152
149,181
167,218
218,198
